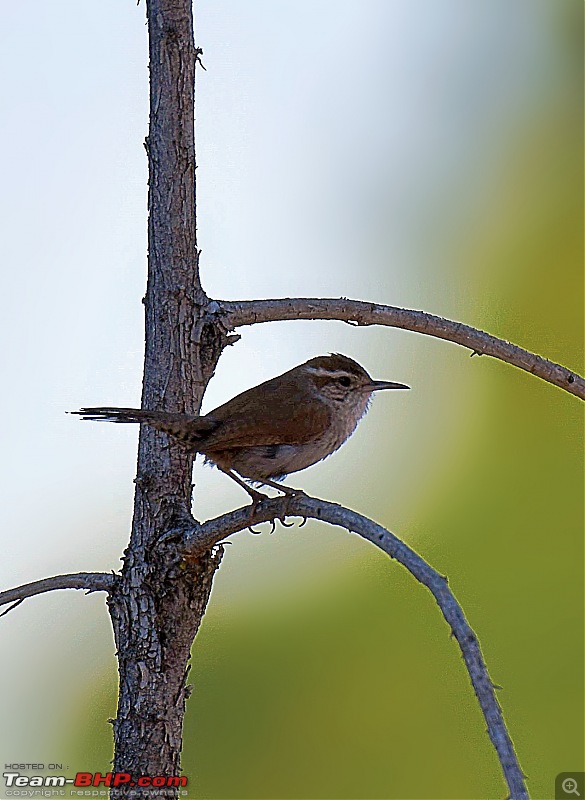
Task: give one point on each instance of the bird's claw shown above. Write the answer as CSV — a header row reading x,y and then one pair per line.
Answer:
x,y
251,529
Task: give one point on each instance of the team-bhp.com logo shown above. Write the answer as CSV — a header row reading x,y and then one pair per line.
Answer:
x,y
16,781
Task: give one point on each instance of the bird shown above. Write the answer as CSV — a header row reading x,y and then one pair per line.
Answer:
x,y
281,426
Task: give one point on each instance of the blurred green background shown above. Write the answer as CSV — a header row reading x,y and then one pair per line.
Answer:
x,y
322,669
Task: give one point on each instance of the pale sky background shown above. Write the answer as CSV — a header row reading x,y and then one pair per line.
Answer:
x,y
339,144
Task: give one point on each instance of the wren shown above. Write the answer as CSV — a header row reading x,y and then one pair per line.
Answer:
x,y
280,426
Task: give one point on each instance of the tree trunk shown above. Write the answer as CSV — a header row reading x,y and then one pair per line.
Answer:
x,y
158,606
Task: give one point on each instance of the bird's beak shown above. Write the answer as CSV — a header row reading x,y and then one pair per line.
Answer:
x,y
375,385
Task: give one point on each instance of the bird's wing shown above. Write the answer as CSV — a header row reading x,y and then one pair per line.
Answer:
x,y
287,422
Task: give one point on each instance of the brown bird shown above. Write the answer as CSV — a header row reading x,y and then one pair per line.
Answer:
x,y
280,426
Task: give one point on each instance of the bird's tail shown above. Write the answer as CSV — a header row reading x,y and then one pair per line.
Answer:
x,y
189,429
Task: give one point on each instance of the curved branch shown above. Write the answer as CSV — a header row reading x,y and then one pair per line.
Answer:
x,y
197,540
91,581
249,312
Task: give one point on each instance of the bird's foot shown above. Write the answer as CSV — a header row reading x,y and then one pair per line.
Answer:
x,y
290,492
257,499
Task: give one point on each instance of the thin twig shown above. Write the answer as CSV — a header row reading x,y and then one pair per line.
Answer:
x,y
249,312
197,540
90,581
12,607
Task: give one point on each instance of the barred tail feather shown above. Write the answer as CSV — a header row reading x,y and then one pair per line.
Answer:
x,y
189,429
111,414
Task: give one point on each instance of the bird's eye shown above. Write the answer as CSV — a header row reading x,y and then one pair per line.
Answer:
x,y
345,381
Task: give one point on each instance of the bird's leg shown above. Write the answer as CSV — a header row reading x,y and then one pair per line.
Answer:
x,y
257,497
288,490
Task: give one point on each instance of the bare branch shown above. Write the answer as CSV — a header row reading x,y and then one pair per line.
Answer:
x,y
357,312
90,581
197,540
157,611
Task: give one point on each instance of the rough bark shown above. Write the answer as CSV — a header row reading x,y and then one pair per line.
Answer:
x,y
157,606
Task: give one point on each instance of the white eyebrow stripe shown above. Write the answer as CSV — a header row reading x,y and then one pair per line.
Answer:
x,y
330,373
